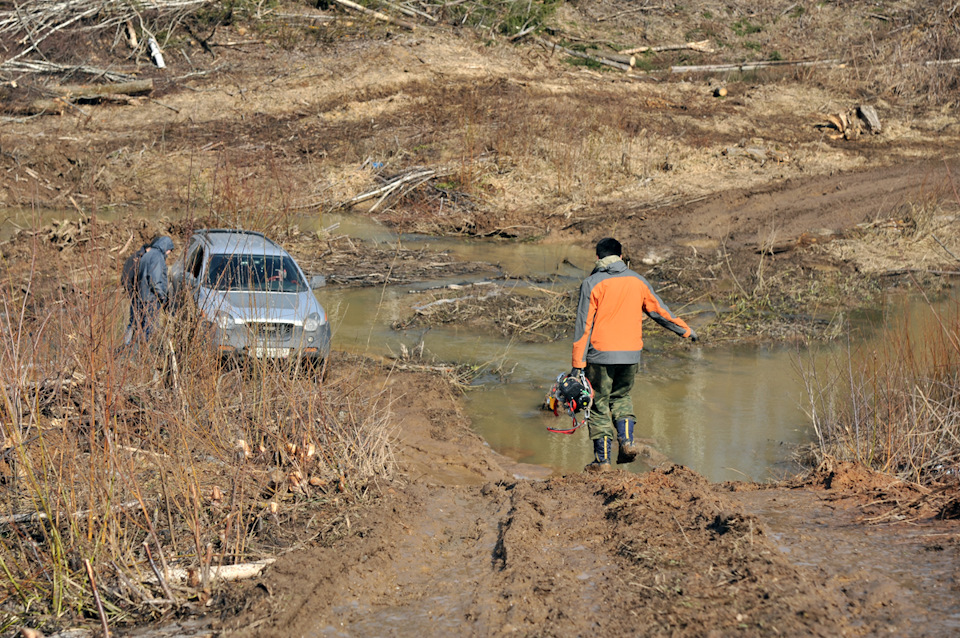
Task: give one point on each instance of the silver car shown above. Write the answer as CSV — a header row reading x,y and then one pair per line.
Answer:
x,y
252,294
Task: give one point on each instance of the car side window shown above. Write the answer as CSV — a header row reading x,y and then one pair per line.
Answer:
x,y
195,261
197,264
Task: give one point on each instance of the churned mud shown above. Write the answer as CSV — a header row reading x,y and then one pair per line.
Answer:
x,y
663,553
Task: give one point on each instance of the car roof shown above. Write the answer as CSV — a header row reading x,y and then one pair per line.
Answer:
x,y
233,241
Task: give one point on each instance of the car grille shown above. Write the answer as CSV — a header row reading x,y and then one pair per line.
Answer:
x,y
271,331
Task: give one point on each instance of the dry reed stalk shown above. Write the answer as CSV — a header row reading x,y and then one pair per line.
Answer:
x,y
895,404
73,408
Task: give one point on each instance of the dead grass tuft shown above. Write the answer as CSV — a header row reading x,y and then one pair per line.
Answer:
x,y
892,403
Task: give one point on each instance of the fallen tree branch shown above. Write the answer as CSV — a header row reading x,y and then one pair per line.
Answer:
x,y
407,11
43,66
584,56
416,175
751,66
439,302
34,517
127,88
375,14
238,43
628,12
703,46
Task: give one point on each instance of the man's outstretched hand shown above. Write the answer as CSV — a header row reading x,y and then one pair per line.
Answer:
x,y
693,337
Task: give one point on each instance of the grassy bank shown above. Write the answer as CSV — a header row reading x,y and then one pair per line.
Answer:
x,y
129,478
892,401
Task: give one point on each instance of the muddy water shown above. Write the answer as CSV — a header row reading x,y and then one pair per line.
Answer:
x,y
729,414
732,413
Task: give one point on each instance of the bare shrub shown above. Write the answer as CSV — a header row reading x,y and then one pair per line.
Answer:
x,y
162,454
893,404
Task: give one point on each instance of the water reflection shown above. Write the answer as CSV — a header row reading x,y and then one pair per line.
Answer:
x,y
732,415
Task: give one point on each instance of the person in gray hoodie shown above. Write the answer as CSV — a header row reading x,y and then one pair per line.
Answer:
x,y
152,287
128,279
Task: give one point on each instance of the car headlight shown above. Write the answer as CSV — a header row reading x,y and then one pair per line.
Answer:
x,y
312,323
225,321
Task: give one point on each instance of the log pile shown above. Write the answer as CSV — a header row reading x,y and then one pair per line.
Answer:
x,y
850,124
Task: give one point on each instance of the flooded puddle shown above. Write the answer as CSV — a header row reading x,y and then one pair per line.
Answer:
x,y
729,414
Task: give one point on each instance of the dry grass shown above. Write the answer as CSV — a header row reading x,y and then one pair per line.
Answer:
x,y
893,403
165,454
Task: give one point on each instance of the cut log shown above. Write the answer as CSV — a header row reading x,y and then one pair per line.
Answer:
x,y
93,90
68,94
177,576
584,56
870,118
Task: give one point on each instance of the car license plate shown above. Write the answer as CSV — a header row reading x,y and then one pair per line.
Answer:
x,y
271,353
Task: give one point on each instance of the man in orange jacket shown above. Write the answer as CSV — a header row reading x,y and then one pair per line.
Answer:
x,y
608,341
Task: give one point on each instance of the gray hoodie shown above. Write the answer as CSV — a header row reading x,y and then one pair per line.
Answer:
x,y
152,284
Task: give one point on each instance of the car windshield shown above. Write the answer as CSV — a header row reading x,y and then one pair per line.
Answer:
x,y
274,273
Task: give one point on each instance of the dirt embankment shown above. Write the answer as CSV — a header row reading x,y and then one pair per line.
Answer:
x,y
665,553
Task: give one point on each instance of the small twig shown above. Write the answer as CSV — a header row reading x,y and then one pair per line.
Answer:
x,y
937,239
166,106
680,527
96,598
156,572
628,12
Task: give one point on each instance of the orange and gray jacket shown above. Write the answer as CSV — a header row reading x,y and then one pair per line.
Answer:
x,y
613,300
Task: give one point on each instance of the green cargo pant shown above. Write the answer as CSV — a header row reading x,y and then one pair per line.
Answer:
x,y
611,397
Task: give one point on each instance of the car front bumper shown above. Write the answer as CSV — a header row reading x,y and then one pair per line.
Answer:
x,y
251,341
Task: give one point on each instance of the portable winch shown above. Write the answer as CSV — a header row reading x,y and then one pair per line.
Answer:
x,y
573,394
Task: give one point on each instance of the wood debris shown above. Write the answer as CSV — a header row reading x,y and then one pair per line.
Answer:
x,y
850,124
703,46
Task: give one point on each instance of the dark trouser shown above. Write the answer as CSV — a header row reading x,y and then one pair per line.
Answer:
x,y
144,316
611,397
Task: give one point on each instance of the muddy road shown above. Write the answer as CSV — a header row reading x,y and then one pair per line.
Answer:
x,y
476,552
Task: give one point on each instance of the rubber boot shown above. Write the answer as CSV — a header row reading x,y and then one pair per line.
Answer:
x,y
626,451
601,455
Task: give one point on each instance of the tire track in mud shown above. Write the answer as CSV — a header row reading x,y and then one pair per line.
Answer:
x,y
442,559
786,209
665,553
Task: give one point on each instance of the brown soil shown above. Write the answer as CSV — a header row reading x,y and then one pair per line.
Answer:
x,y
746,195
465,547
